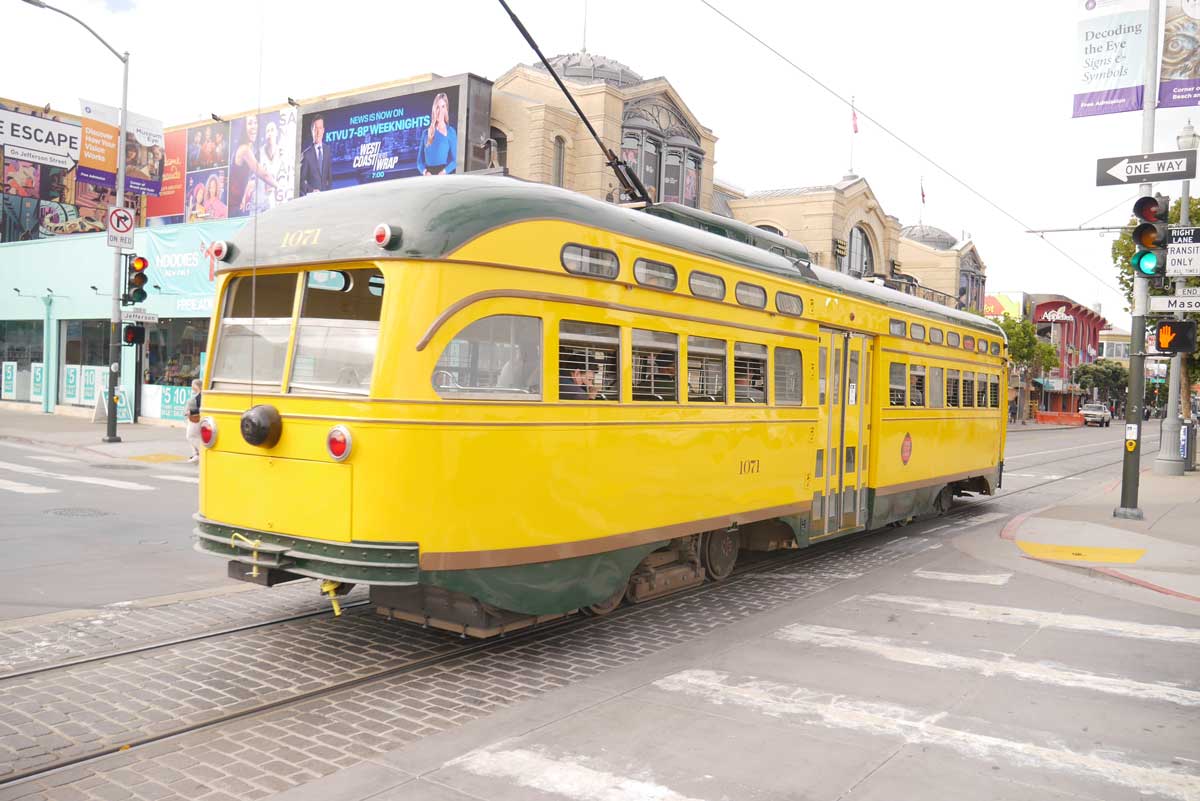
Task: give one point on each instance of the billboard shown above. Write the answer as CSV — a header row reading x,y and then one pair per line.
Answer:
x,y
1110,57
143,144
262,162
1179,81
378,140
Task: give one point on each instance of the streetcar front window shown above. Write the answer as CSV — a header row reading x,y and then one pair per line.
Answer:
x,y
252,338
338,332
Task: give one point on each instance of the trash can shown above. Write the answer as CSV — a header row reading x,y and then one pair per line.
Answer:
x,y
1187,443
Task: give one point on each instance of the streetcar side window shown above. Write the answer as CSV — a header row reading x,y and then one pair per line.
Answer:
x,y
706,369
897,328
749,373
968,342
936,336
657,274
252,338
896,384
968,389
994,391
655,362
983,346
936,388
916,385
995,348
751,295
981,390
589,361
952,388
596,262
703,285
789,377
497,358
917,331
791,305
952,339
821,362
338,333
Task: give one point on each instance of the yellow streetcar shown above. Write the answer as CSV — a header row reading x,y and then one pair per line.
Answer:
x,y
496,402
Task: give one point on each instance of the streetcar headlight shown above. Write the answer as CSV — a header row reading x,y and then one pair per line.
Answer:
x,y
338,443
208,431
386,236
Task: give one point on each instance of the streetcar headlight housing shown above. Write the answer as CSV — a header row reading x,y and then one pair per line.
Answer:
x,y
339,442
208,431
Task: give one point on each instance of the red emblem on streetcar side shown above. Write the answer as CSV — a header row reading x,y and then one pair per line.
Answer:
x,y
906,448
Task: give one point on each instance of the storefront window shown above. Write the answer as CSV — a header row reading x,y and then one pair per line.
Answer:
x,y
691,183
21,364
172,353
83,368
650,156
672,185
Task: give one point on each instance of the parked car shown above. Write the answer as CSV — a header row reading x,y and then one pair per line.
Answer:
x,y
1096,413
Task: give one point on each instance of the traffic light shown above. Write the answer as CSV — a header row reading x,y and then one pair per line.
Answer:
x,y
135,280
1151,236
133,334
1176,336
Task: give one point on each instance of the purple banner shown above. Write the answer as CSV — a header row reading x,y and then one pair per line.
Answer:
x,y
1110,101
134,183
1179,81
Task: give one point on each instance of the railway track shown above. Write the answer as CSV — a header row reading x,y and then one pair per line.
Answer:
x,y
782,562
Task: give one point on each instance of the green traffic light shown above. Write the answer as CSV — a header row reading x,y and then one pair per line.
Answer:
x,y
137,295
1145,262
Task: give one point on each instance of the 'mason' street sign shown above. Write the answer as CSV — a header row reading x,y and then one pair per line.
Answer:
x,y
1175,303
1125,170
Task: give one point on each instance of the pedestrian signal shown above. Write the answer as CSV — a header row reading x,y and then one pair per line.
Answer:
x,y
133,335
1151,236
135,280
1176,336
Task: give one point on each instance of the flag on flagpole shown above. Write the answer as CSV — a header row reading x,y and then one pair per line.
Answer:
x,y
922,191
854,119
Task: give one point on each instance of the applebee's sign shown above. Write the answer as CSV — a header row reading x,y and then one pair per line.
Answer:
x,y
1058,315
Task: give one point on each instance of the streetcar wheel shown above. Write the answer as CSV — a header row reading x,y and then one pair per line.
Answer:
x,y
609,604
944,500
719,552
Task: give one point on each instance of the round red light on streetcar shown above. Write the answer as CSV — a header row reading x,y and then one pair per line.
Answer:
x,y
338,443
219,250
383,235
208,432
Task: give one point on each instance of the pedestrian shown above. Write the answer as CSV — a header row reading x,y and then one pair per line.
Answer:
x,y
192,410
1012,410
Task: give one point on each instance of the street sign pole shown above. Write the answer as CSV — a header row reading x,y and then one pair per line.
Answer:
x,y
1169,461
1141,291
114,333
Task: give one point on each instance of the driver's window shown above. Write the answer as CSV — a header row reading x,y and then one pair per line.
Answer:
x,y
338,332
498,357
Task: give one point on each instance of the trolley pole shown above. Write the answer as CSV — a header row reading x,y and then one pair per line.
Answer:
x,y
1131,465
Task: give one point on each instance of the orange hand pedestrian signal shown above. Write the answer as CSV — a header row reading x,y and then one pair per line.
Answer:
x,y
1176,336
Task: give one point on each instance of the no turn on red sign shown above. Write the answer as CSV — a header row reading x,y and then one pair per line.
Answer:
x,y
120,227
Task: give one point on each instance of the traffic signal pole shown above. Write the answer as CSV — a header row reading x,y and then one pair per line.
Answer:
x,y
114,334
1131,465
1169,462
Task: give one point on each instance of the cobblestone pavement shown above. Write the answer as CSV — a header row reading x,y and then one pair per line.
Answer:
x,y
33,643
257,756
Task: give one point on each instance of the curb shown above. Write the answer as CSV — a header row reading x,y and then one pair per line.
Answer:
x,y
41,443
1013,429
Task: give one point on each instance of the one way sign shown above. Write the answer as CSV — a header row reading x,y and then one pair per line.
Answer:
x,y
1124,170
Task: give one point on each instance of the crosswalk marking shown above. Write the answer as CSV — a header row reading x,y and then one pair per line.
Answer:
x,y
899,651
915,727
1034,617
27,489
568,777
995,579
55,459
185,479
100,482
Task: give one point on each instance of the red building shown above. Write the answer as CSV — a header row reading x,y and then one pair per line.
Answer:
x,y
1074,329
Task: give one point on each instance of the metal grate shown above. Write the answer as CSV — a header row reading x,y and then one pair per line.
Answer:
x,y
706,370
968,389
994,390
588,361
916,385
952,388
655,363
749,373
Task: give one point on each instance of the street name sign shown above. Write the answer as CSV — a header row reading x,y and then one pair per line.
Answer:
x,y
120,227
1183,252
1122,170
1175,303
138,316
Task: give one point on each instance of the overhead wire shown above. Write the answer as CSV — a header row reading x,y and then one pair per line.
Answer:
x,y
945,171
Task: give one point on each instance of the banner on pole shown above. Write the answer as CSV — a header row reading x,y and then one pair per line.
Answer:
x,y
1179,80
145,149
1111,57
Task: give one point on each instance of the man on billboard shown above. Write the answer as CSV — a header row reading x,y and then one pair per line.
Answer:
x,y
315,172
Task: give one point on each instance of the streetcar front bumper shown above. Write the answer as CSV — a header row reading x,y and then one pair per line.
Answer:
x,y
393,564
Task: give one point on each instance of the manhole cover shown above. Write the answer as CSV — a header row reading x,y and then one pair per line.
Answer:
x,y
77,511
117,466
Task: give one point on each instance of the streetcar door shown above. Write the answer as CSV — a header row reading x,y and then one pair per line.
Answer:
x,y
844,367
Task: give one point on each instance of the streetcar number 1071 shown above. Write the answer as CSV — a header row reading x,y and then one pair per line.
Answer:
x,y
747,466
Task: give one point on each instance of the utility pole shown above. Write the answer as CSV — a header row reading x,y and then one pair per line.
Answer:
x,y
1131,465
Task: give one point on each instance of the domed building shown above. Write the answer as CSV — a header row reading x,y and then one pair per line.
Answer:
x,y
944,263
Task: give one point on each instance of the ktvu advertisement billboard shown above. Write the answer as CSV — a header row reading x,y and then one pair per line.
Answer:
x,y
378,140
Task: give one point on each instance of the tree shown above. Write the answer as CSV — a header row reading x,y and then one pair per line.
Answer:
x,y
1026,350
1122,250
1109,378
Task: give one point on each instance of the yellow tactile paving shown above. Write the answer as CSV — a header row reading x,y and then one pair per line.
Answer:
x,y
158,457
1081,553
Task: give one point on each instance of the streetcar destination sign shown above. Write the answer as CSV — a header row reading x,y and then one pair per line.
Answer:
x,y
1122,170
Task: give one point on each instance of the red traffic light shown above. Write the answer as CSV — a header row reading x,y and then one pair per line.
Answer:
x,y
138,264
1148,209
133,335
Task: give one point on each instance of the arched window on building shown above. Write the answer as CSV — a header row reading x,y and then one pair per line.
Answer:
x,y
860,260
499,154
664,149
560,161
971,281
770,229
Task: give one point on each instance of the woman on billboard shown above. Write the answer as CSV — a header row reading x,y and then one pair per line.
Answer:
x,y
438,152
252,181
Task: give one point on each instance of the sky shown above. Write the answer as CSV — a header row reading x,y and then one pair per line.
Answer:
x,y
982,89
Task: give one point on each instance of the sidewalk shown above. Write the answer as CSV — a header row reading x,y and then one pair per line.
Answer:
x,y
1160,552
142,442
